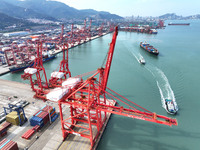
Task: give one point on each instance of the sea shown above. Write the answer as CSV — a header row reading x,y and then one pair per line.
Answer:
x,y
173,74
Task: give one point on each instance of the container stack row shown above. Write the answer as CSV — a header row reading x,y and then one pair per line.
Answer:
x,y
6,144
30,132
4,128
41,117
51,111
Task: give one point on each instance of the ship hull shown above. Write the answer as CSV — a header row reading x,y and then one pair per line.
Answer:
x,y
179,24
149,49
21,68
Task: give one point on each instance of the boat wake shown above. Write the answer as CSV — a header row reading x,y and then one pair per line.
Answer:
x,y
163,85
137,56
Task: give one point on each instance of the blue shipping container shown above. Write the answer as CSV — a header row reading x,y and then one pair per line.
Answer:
x,y
36,121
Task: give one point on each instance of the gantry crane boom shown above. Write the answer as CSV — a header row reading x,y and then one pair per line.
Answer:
x,y
109,59
90,102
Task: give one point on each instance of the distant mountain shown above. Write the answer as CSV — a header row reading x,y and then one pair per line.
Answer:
x,y
7,21
56,10
193,17
51,8
20,12
98,14
170,16
173,16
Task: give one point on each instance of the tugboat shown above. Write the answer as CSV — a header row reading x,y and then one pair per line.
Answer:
x,y
170,107
149,48
142,61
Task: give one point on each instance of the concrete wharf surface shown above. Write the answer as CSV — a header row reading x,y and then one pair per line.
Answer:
x,y
50,136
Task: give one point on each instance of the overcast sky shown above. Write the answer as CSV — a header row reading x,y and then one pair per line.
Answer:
x,y
139,7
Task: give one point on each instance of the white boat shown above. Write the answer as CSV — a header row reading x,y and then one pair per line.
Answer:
x,y
154,31
142,61
171,107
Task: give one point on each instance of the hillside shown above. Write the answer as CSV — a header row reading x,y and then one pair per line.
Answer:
x,y
54,9
173,16
7,21
20,12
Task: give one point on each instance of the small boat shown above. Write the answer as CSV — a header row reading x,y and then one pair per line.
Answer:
x,y
149,48
154,31
142,61
170,106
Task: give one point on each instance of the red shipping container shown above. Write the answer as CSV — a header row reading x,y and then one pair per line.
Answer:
x,y
36,128
36,113
3,128
44,116
47,109
2,142
6,124
3,133
8,145
28,134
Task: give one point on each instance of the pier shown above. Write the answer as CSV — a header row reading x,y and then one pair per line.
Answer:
x,y
4,69
50,136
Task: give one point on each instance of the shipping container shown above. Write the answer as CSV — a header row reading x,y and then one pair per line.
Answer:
x,y
44,116
6,144
36,121
13,118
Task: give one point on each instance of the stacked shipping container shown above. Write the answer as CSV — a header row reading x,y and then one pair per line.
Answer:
x,y
13,118
8,145
41,117
4,128
52,111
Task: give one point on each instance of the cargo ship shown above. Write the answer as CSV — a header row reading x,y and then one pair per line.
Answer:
x,y
21,67
171,106
183,24
149,48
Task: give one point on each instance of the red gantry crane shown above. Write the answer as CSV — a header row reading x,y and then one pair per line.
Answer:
x,y
100,30
57,77
37,74
90,102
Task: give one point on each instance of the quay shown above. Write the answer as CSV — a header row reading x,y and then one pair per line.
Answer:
x,y
4,69
50,136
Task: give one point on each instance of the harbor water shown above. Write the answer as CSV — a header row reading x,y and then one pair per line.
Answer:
x,y
173,74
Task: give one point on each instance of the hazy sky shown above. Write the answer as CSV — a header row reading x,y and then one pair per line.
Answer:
x,y
139,7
